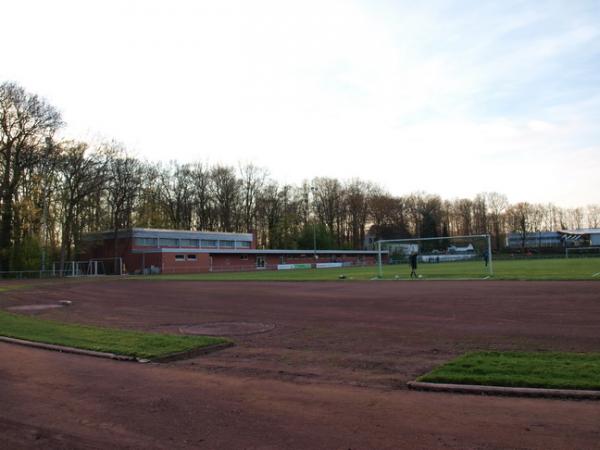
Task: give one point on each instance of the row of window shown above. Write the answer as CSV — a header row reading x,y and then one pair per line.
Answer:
x,y
283,259
196,243
185,257
192,257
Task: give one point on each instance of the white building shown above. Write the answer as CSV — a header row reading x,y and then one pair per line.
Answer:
x,y
582,237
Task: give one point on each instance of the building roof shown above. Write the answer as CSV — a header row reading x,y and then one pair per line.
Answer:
x,y
173,234
581,231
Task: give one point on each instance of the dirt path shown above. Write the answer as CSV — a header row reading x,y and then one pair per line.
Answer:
x,y
54,400
329,374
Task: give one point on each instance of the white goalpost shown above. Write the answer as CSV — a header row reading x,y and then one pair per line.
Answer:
x,y
437,250
582,252
91,267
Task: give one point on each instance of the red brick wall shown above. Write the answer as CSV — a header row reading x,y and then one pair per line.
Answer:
x,y
171,265
222,262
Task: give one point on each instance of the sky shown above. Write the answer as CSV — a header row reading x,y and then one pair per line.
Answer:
x,y
447,97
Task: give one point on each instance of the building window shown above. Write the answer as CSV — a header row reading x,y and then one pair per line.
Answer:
x,y
243,244
146,242
226,243
168,242
191,257
244,257
179,257
208,243
188,242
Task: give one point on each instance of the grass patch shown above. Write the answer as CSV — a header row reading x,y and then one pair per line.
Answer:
x,y
521,369
121,342
12,287
522,269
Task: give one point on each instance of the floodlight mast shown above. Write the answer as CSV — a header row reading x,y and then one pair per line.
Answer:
x,y
488,237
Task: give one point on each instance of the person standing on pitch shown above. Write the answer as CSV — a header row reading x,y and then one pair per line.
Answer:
x,y
413,264
486,258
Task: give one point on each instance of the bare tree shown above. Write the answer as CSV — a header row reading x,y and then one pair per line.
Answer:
x,y
389,217
203,202
328,201
431,216
269,211
480,218
496,204
81,175
124,182
252,180
575,217
225,189
357,197
520,220
177,194
150,211
25,121
593,216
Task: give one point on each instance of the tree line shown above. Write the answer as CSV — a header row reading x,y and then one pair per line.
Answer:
x,y
53,191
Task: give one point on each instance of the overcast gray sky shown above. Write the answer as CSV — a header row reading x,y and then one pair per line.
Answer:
x,y
448,97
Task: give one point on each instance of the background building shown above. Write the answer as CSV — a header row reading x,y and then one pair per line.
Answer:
x,y
586,237
538,239
173,251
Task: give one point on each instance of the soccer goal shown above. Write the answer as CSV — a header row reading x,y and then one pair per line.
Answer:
x,y
439,257
92,267
582,252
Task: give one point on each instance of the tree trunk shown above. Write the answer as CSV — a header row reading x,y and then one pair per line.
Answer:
x,y
65,240
6,229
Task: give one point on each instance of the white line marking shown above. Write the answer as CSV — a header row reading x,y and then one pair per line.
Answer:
x,y
596,274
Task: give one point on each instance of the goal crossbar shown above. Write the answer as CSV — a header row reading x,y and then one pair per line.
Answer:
x,y
383,241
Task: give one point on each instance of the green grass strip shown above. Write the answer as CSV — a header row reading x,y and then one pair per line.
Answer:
x,y
121,342
518,269
521,369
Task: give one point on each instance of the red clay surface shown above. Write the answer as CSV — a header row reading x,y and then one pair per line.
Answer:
x,y
330,374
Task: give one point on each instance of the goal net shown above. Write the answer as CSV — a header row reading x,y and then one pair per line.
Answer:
x,y
582,252
92,267
440,257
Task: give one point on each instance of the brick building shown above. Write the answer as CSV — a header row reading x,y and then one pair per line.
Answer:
x,y
144,250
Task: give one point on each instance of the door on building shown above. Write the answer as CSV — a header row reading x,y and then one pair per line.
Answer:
x,y
260,262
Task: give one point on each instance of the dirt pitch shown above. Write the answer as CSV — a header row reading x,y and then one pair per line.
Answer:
x,y
316,365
